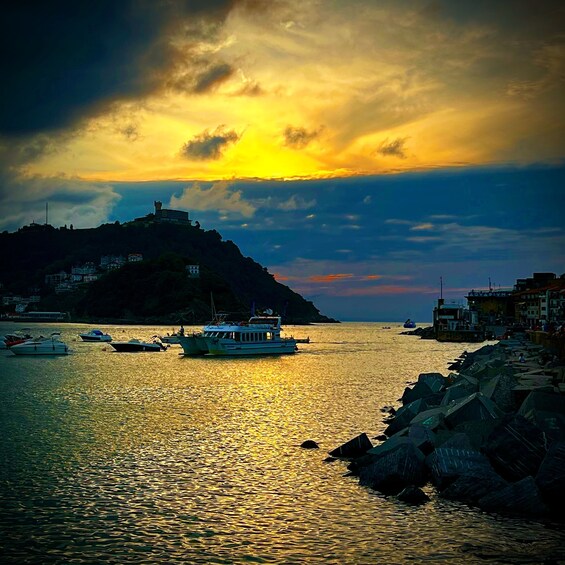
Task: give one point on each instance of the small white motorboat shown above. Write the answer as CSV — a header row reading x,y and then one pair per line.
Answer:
x,y
134,345
95,335
41,346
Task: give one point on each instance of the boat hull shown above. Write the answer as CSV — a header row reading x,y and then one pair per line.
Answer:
x,y
89,338
193,345
135,347
40,349
220,348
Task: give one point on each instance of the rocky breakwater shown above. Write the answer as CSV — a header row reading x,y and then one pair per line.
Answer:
x,y
491,435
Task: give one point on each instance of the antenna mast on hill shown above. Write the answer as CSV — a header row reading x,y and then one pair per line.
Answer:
x,y
441,287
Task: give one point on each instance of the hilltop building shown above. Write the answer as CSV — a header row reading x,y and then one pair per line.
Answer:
x,y
172,216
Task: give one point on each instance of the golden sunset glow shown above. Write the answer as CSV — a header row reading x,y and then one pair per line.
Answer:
x,y
364,102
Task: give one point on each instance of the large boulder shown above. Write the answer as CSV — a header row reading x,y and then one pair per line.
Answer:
x,y
516,448
415,392
431,418
474,407
404,415
522,498
353,448
435,381
499,390
477,483
395,470
547,411
550,478
447,464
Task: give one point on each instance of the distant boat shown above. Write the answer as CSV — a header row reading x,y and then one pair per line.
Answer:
x,y
41,346
134,345
95,335
409,323
260,335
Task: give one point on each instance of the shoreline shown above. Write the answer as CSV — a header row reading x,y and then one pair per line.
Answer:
x,y
491,435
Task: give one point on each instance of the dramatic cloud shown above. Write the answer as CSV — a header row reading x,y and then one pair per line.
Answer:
x,y
220,197
208,145
64,60
200,76
394,148
298,137
70,201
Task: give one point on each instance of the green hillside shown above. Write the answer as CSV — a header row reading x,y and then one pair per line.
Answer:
x,y
155,290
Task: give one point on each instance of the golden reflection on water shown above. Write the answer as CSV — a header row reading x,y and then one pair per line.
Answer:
x,y
156,457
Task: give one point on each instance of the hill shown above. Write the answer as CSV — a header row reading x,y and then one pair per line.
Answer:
x,y
158,289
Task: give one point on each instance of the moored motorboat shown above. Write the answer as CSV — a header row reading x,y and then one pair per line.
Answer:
x,y
134,345
260,335
41,346
95,336
9,340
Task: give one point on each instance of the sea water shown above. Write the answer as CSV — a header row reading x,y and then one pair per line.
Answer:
x,y
110,457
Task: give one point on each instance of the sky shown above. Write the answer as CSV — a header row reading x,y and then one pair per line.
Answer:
x,y
358,149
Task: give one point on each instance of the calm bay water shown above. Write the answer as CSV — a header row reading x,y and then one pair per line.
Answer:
x,y
156,458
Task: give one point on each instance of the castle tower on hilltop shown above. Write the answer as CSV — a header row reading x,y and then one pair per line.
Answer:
x,y
172,216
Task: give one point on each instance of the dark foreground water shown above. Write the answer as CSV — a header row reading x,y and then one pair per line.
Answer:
x,y
155,458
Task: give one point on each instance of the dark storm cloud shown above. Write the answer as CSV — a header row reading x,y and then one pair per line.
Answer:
x,y
299,137
209,145
62,60
394,148
213,77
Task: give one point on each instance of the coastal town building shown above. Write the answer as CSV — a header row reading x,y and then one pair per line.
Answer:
x,y
193,271
110,262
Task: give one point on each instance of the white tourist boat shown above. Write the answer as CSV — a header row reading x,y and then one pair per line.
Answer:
x,y
260,335
95,336
41,346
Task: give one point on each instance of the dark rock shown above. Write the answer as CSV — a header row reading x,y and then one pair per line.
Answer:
x,y
431,418
499,390
516,448
550,478
329,459
522,497
404,415
470,488
458,440
418,391
547,412
309,444
353,448
355,465
455,392
424,438
391,444
381,437
395,470
434,381
413,495
478,431
474,407
447,464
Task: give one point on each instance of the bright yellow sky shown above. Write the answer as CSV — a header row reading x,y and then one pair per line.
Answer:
x,y
378,88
